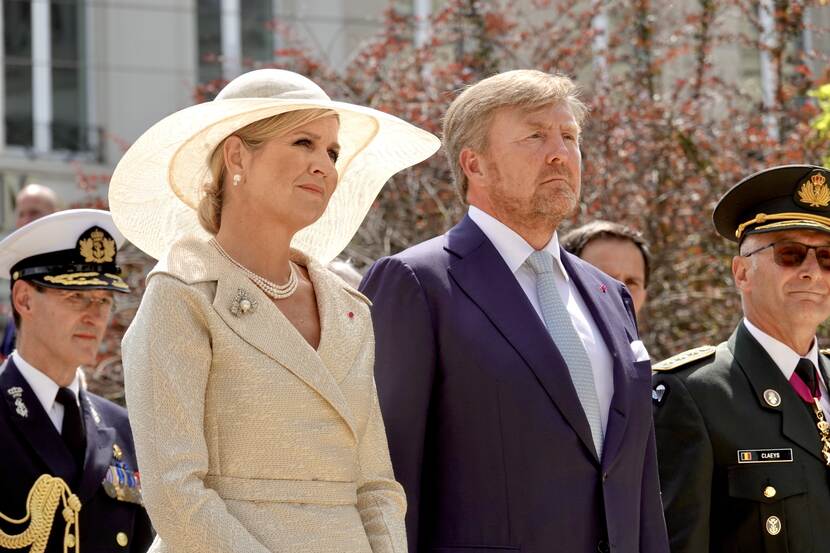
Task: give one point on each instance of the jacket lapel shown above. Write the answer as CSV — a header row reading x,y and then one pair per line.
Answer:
x,y
601,306
497,293
99,440
260,325
345,322
26,414
763,374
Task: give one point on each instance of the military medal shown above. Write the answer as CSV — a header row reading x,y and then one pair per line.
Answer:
x,y
120,481
823,430
811,393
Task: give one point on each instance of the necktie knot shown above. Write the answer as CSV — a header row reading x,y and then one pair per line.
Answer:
x,y
66,397
806,371
540,262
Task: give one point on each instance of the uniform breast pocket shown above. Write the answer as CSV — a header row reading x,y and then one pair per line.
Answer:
x,y
770,511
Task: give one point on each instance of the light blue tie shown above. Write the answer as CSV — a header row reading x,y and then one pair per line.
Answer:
x,y
561,329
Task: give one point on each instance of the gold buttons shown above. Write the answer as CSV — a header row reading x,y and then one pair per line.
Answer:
x,y
769,492
121,538
116,452
773,526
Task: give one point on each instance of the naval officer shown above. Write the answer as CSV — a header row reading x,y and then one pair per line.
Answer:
x,y
743,443
68,473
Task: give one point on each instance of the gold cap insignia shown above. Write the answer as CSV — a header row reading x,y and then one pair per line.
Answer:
x,y
814,192
98,248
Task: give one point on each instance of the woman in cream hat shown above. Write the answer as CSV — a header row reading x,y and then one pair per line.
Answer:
x,y
248,367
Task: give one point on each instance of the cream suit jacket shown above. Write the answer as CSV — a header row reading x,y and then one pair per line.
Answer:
x,y
248,439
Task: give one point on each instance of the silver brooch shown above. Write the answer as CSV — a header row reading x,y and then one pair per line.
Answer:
x,y
243,303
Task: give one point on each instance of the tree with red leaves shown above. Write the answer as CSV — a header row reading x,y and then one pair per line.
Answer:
x,y
667,134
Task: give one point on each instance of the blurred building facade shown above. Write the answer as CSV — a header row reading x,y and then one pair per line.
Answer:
x,y
83,78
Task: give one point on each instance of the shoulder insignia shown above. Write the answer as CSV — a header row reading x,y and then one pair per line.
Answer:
x,y
684,358
825,351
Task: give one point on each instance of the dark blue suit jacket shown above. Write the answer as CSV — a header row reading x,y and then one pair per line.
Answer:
x,y
485,429
32,446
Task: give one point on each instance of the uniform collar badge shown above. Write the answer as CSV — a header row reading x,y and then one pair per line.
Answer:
x,y
772,398
17,393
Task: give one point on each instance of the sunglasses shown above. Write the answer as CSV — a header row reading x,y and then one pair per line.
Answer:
x,y
792,254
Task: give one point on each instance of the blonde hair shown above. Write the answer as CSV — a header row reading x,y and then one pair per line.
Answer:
x,y
253,136
468,118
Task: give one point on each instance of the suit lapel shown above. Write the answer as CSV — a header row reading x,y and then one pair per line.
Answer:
x,y
599,303
26,414
260,325
345,325
763,374
498,294
99,440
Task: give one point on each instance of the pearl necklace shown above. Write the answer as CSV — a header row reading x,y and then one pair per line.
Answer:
x,y
271,289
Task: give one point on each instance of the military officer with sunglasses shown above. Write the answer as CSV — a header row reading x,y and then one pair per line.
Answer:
x,y
68,475
742,438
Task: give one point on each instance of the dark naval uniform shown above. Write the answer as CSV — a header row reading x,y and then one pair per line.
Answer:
x,y
739,453
111,518
69,481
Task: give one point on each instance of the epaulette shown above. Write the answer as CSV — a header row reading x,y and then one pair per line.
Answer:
x,y
684,358
825,351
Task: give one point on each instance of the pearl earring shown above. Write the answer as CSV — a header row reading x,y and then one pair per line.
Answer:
x,y
237,179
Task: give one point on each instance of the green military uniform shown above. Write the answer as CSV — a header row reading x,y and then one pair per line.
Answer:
x,y
739,454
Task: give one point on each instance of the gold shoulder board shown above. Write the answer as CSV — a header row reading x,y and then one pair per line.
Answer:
x,y
825,351
684,358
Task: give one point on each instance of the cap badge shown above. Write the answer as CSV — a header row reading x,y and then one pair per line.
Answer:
x,y
814,192
98,248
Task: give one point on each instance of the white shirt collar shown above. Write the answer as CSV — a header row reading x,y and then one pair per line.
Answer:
x,y
513,248
784,356
44,387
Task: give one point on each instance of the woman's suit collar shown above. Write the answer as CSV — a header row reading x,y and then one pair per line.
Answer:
x,y
345,323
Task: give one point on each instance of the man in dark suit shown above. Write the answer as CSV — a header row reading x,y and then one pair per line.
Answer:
x,y
743,445
68,471
512,382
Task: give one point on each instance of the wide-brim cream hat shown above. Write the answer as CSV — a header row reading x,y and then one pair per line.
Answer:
x,y
155,190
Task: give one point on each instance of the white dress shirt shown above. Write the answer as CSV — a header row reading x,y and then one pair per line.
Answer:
x,y
786,359
515,251
45,389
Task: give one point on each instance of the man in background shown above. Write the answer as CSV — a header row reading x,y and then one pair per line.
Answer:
x,y
31,203
617,251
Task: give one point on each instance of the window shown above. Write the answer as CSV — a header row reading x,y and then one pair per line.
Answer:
x,y
45,106
233,35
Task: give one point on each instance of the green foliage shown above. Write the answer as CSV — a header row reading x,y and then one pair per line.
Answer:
x,y
822,122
